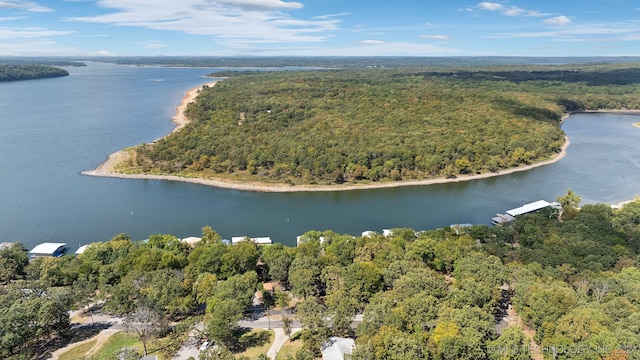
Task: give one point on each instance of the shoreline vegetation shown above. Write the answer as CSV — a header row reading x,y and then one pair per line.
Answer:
x,y
108,167
21,72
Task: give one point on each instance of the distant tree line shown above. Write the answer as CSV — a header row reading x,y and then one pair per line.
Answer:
x,y
359,62
45,61
29,72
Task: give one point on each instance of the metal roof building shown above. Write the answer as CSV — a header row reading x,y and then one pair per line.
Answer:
x,y
258,240
81,249
337,347
528,208
48,249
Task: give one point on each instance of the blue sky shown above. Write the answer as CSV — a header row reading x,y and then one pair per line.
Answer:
x,y
320,27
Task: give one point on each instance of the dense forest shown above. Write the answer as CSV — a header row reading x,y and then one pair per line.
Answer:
x,y
29,72
376,125
572,276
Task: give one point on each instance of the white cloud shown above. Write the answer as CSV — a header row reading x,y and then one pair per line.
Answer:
x,y
624,31
39,47
29,33
259,20
332,15
11,18
24,5
490,6
370,42
436,37
558,20
507,10
152,44
262,4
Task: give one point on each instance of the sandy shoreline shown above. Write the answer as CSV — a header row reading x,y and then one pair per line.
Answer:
x,y
106,169
180,119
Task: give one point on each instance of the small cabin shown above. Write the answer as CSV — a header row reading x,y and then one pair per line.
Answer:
x,y
48,249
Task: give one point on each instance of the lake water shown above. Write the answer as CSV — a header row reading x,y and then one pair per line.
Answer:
x,y
51,130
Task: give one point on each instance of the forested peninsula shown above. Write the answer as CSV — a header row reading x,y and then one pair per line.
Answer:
x,y
381,125
15,72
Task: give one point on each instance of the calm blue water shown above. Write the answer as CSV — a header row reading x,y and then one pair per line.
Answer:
x,y
51,130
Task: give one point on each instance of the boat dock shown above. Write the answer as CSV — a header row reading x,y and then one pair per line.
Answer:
x,y
510,215
48,249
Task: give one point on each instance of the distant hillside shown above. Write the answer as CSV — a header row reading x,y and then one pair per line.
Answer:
x,y
29,72
357,62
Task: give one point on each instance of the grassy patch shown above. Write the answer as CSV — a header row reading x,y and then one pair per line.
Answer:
x,y
289,348
256,342
77,352
118,341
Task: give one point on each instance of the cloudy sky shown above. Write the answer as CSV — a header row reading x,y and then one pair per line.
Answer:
x,y
320,27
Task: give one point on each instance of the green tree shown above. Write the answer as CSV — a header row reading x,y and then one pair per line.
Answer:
x,y
221,321
240,258
238,287
206,258
341,308
13,260
304,276
210,236
512,344
278,259
569,200
312,316
362,279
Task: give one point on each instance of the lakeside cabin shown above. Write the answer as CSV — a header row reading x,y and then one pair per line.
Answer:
x,y
48,249
510,215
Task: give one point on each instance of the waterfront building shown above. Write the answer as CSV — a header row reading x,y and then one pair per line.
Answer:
x,y
48,249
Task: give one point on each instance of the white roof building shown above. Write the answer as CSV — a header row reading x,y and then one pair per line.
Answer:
x,y
258,240
48,249
368,233
337,347
528,208
191,240
81,249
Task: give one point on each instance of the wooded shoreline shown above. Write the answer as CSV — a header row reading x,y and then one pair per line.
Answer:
x,y
107,168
